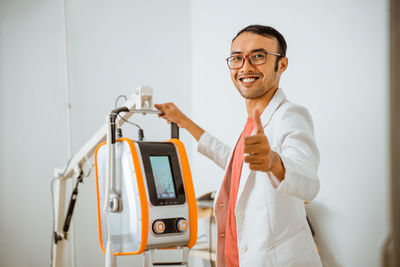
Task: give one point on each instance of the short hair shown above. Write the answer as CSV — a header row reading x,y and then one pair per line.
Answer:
x,y
266,31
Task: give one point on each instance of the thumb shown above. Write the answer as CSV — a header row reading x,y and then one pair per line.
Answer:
x,y
257,122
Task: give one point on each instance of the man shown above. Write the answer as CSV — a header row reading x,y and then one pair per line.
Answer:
x,y
259,207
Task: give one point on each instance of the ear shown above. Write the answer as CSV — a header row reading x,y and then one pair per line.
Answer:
x,y
283,64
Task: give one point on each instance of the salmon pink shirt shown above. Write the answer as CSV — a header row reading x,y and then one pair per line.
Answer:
x,y
231,248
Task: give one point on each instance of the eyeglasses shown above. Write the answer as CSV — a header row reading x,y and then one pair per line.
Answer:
x,y
255,58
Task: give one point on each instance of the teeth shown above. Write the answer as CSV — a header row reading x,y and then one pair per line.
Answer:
x,y
247,80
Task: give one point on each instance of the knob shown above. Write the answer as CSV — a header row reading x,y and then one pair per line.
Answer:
x,y
182,225
158,227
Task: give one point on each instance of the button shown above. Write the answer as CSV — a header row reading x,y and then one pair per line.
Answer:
x,y
158,227
222,235
240,214
221,204
243,248
286,189
182,225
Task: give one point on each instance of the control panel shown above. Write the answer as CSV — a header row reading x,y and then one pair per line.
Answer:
x,y
170,226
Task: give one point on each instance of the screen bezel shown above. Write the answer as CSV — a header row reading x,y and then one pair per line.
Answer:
x,y
149,149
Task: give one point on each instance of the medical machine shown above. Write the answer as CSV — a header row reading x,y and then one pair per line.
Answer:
x,y
145,195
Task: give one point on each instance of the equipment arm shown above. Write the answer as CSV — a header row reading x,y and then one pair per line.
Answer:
x,y
87,151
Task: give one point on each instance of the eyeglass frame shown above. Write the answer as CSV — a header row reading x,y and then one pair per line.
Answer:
x,y
248,55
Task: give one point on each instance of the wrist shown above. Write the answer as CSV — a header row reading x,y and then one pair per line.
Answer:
x,y
277,166
184,122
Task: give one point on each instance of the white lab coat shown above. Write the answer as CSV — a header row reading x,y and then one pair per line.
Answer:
x,y
272,229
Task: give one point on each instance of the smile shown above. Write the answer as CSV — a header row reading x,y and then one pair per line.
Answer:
x,y
248,80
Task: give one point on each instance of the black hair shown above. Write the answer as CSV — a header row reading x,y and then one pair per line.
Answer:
x,y
270,32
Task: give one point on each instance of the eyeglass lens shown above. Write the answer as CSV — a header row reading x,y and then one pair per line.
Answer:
x,y
238,61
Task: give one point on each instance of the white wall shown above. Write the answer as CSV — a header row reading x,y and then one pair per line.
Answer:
x,y
337,68
114,46
338,65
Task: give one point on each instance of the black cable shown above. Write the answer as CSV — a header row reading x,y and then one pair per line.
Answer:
x,y
125,120
71,205
116,106
140,131
140,135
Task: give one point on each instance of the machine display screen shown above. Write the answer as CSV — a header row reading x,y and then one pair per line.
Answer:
x,y
163,179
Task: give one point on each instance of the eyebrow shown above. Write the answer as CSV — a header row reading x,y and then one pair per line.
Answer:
x,y
252,51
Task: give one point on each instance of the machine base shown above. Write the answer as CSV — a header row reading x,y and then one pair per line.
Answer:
x,y
177,257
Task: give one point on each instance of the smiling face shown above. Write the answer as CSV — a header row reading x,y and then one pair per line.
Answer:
x,y
251,81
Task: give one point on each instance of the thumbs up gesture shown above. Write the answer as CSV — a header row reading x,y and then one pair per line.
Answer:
x,y
257,149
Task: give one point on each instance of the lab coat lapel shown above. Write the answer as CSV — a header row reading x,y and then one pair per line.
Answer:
x,y
273,105
266,116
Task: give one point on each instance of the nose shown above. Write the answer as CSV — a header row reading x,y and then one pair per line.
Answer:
x,y
246,65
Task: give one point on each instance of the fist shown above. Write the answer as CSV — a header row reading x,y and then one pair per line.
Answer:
x,y
257,149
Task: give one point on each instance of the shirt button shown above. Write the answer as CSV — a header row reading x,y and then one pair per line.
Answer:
x,y
222,235
240,214
286,189
243,248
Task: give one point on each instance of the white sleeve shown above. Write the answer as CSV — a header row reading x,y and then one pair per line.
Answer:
x,y
300,155
214,149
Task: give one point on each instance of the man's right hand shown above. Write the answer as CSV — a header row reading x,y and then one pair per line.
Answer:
x,y
172,113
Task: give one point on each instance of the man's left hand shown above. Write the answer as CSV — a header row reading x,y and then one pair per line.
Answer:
x,y
259,154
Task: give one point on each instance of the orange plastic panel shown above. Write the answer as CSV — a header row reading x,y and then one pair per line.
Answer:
x,y
190,195
142,197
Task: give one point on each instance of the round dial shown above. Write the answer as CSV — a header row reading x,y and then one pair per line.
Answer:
x,y
158,227
182,225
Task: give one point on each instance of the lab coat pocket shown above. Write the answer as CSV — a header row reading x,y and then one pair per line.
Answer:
x,y
295,251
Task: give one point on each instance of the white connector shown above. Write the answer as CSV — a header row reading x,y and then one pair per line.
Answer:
x,y
144,98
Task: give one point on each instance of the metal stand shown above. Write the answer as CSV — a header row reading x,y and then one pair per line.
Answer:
x,y
166,257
